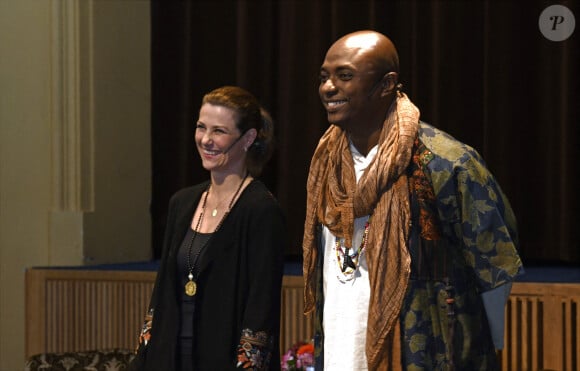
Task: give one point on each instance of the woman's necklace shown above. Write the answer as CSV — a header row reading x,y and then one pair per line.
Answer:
x,y
214,212
191,285
350,262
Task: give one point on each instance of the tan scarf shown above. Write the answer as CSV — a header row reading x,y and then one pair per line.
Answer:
x,y
335,199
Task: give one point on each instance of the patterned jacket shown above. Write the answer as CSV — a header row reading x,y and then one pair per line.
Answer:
x,y
463,242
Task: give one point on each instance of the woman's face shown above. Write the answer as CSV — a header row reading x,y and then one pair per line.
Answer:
x,y
218,140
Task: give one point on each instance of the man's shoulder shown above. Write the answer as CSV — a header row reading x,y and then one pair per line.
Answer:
x,y
444,146
449,159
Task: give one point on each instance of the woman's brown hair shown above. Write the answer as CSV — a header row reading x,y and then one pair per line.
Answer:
x,y
251,116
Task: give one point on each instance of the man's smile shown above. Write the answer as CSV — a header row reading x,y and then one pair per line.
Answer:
x,y
335,104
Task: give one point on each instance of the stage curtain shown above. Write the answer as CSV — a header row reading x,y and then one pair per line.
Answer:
x,y
480,70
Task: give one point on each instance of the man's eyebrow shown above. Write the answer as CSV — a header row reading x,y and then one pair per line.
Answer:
x,y
339,68
345,67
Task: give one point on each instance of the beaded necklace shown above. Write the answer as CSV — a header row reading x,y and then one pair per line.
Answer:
x,y
191,285
350,262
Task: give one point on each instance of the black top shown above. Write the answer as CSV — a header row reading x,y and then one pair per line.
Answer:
x,y
239,283
184,255
188,302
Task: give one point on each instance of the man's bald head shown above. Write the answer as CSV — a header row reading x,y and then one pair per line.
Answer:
x,y
378,48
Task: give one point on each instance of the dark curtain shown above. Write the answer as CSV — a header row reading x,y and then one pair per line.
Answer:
x,y
480,70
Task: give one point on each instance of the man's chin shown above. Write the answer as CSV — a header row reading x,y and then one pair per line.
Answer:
x,y
334,119
337,122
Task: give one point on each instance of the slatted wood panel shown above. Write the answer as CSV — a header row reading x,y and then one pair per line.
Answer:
x,y
76,310
294,326
542,328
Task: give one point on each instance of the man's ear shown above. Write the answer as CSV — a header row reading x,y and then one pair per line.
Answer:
x,y
389,83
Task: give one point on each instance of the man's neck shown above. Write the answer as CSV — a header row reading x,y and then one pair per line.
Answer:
x,y
364,143
365,137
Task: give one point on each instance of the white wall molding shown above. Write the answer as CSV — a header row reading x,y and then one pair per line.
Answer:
x,y
72,105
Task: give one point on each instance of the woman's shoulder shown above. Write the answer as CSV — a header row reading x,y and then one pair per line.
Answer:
x,y
257,188
189,192
257,193
259,207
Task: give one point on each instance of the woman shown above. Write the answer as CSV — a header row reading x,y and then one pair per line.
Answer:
x,y
216,302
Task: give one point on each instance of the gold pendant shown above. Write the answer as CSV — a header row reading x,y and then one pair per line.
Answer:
x,y
190,288
214,212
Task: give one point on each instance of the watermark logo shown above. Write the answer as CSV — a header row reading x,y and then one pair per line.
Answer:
x,y
557,23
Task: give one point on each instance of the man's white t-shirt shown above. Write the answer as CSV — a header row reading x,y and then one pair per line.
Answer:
x,y
346,300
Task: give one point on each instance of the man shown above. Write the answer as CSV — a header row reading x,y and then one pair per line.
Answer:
x,y
406,230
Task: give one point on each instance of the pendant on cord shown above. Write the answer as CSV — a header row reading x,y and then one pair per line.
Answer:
x,y
190,286
348,260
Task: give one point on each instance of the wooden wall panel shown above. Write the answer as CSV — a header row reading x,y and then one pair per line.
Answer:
x,y
75,310
294,326
542,327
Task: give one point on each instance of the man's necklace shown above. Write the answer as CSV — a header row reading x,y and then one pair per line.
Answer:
x,y
191,285
350,263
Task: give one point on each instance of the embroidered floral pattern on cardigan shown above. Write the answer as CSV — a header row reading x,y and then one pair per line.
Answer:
x,y
254,350
145,334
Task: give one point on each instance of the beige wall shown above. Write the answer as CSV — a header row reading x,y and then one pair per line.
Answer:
x,y
75,178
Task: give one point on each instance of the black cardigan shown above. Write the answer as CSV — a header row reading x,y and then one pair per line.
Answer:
x,y
239,282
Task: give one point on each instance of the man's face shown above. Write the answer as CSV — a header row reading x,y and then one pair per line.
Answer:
x,y
350,85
